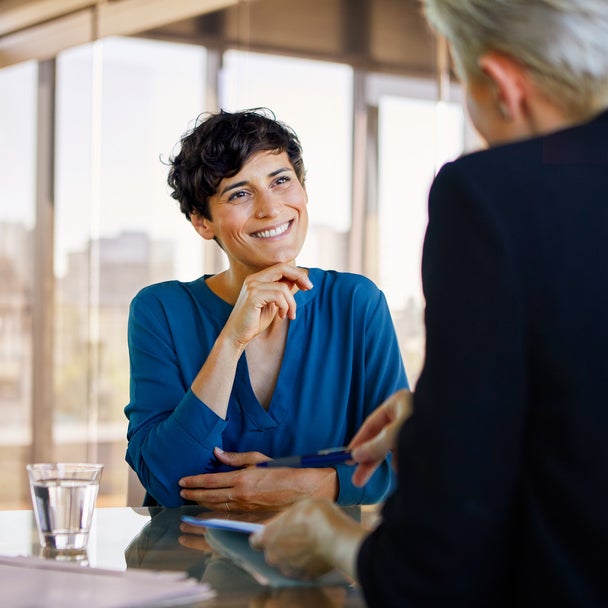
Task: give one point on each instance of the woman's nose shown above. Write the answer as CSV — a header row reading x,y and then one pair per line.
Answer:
x,y
266,205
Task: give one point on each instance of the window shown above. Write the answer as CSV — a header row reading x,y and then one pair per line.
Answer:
x,y
323,123
417,135
122,104
18,86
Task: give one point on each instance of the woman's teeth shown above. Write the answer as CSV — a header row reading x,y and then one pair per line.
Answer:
x,y
266,234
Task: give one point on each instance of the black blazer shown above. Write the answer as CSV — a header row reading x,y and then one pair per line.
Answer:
x,y
503,469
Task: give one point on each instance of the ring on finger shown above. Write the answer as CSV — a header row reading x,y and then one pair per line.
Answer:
x,y
227,507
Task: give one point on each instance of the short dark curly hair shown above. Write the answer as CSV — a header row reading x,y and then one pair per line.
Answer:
x,y
218,147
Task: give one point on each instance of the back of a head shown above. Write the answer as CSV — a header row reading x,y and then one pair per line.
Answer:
x,y
563,43
218,146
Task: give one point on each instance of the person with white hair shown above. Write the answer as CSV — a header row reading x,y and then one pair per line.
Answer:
x,y
501,451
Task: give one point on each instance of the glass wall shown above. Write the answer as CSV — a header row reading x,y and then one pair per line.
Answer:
x,y
18,90
121,106
323,123
416,136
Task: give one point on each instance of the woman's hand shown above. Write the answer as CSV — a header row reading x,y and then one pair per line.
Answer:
x,y
263,296
252,488
193,537
378,435
310,539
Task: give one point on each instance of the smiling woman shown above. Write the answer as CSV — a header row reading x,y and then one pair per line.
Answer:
x,y
258,217
264,360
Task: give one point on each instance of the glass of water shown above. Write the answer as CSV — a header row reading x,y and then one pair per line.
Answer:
x,y
63,497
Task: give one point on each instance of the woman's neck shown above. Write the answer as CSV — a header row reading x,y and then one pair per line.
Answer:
x,y
226,286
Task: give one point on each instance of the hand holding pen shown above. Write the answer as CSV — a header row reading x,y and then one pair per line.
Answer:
x,y
378,435
323,458
247,487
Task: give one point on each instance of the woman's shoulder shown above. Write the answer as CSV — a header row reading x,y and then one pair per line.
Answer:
x,y
167,291
159,290
349,296
343,282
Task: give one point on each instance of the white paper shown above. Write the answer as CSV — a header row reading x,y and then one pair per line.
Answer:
x,y
32,582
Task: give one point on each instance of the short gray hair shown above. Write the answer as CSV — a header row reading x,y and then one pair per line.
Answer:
x,y
564,43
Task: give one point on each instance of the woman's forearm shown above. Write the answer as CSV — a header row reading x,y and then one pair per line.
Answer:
x,y
213,383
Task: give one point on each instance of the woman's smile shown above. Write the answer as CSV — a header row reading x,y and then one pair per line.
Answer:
x,y
273,232
258,215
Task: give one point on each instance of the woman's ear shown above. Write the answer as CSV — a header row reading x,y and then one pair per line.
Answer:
x,y
203,226
509,82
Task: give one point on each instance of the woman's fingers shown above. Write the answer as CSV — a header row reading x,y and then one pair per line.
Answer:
x,y
263,296
239,459
378,435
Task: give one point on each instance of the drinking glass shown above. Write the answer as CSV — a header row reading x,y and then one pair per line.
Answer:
x,y
63,497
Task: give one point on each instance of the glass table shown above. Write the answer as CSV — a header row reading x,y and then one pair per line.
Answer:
x,y
150,538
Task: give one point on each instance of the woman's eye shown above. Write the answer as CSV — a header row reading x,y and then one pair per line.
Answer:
x,y
237,194
282,179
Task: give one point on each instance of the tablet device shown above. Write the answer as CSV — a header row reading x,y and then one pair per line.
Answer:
x,y
234,525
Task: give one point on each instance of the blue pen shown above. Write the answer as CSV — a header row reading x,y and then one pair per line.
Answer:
x,y
323,458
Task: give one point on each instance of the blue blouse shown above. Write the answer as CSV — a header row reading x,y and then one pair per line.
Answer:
x,y
341,361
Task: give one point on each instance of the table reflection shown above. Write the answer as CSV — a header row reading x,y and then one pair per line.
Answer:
x,y
165,543
156,539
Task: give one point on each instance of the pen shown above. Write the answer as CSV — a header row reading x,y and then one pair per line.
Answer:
x,y
323,458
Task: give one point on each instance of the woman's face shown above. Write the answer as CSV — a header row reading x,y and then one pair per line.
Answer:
x,y
259,215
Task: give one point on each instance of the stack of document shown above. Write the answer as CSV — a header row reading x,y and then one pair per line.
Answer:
x,y
29,582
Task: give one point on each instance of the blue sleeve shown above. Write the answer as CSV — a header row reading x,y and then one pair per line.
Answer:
x,y
171,432
384,374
